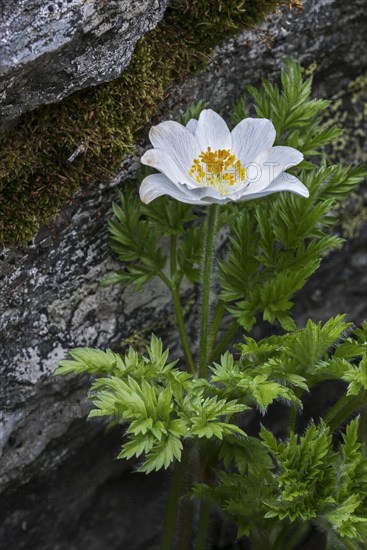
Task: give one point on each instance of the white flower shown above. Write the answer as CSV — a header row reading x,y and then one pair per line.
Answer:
x,y
205,163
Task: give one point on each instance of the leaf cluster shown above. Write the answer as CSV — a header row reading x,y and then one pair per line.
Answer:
x,y
161,405
138,234
276,245
268,487
313,481
260,483
297,117
300,480
308,356
256,384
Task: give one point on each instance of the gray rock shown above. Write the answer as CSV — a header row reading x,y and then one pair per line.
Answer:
x,y
50,49
61,488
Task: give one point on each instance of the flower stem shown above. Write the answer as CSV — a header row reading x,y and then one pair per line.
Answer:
x,y
169,527
208,249
185,531
292,415
177,306
222,344
215,326
173,254
182,330
341,411
203,525
296,537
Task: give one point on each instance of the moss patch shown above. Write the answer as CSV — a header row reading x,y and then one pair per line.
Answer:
x,y
105,121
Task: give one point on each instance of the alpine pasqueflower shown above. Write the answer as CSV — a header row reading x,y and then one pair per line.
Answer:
x,y
205,163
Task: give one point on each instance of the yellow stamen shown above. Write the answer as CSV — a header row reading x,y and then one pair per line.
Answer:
x,y
220,169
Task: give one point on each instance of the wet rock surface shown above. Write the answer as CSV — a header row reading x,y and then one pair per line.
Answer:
x,y
50,49
60,487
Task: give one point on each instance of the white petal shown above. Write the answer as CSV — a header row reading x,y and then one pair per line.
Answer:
x,y
250,137
212,131
156,185
177,141
162,161
192,125
284,182
270,163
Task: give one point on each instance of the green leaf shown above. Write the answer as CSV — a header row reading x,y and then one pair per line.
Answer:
x,y
193,111
168,217
357,377
134,239
91,361
189,253
162,454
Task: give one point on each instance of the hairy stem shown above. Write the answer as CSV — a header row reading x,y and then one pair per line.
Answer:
x,y
203,525
224,341
178,308
186,515
205,280
215,326
342,410
173,255
169,527
182,330
292,419
296,537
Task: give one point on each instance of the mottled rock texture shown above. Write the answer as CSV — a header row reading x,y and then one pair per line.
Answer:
x,y
49,49
61,488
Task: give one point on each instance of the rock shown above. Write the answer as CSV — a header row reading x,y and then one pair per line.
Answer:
x,y
329,33
57,470
50,49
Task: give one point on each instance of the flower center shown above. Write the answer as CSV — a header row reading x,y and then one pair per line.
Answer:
x,y
220,169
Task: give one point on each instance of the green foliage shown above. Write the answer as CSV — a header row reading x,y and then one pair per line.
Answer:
x,y
357,377
274,490
306,481
91,361
268,261
283,367
255,383
189,253
193,111
134,241
239,110
305,474
134,238
276,245
313,354
315,482
296,117
161,405
168,217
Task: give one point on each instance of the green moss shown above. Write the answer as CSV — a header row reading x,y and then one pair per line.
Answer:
x,y
35,177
